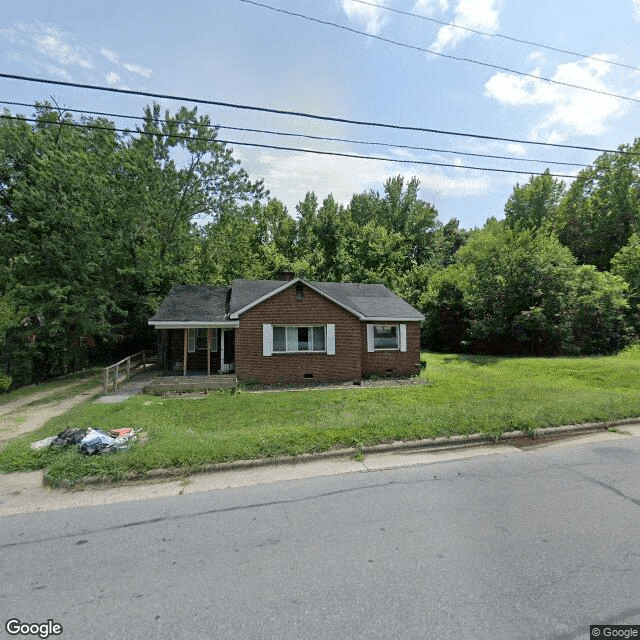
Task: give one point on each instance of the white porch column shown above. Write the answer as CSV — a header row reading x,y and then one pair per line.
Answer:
x,y
184,358
222,366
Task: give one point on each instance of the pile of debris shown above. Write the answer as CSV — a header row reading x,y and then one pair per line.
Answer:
x,y
89,441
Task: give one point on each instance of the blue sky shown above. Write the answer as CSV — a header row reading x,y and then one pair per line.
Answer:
x,y
232,51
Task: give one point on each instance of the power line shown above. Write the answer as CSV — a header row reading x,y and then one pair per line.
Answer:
x,y
282,148
314,137
438,53
497,35
302,114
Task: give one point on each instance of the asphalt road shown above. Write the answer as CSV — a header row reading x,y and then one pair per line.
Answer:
x,y
537,544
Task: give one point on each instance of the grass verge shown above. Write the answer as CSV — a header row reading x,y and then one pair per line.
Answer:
x,y
465,394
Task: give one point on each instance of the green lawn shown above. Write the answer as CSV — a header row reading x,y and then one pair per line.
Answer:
x,y
464,394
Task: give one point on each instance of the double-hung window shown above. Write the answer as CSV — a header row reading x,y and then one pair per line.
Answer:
x,y
295,339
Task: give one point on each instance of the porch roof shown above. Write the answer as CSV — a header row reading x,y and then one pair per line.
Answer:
x,y
189,306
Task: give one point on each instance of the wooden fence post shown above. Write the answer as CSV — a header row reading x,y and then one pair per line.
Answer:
x,y
106,380
115,378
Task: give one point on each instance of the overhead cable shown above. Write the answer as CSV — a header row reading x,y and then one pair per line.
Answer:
x,y
282,148
439,53
302,114
313,137
497,35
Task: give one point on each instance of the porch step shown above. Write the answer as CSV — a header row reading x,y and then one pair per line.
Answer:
x,y
191,383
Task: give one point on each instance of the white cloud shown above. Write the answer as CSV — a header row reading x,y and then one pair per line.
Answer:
x,y
636,9
516,149
49,49
134,68
45,68
567,110
536,57
290,176
112,78
428,7
474,14
60,46
372,18
56,50
110,55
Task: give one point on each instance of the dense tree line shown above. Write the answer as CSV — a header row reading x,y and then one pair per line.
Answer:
x,y
97,225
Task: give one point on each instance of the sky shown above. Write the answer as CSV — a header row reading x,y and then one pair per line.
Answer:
x,y
372,64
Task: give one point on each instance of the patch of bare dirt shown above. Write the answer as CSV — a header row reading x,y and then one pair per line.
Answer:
x,y
20,417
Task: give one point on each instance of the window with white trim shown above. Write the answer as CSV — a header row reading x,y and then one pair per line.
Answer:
x,y
289,339
386,336
198,340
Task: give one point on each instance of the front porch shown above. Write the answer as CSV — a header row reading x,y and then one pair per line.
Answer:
x,y
166,384
197,350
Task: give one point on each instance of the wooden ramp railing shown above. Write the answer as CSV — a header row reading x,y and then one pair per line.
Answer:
x,y
127,366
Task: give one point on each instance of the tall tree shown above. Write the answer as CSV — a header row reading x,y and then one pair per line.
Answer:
x,y
400,211
97,225
535,203
626,264
601,209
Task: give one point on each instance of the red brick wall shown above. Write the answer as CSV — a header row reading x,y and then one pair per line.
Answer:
x,y
395,362
284,309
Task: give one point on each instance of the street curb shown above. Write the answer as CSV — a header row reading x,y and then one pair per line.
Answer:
x,y
440,443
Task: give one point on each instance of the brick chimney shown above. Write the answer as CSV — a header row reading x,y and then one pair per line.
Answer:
x,y
286,275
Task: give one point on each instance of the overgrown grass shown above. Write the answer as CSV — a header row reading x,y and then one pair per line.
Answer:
x,y
465,394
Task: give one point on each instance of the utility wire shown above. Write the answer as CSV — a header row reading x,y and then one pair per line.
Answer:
x,y
302,114
497,35
437,53
312,137
180,136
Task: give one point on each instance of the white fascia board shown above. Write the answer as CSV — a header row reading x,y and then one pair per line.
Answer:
x,y
367,319
285,284
192,324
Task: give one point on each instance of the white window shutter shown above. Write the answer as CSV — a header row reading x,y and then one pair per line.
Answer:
x,y
331,339
192,341
267,339
370,343
403,337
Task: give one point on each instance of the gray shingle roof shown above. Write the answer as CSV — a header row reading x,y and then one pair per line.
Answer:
x,y
244,292
369,300
188,303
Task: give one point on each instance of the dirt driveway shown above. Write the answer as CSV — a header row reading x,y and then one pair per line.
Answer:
x,y
31,412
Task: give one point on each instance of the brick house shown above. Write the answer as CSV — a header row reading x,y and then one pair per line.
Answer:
x,y
288,330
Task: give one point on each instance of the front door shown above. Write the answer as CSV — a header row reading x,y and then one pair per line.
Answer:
x,y
227,350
